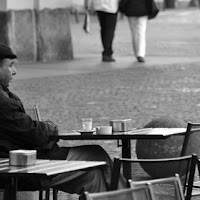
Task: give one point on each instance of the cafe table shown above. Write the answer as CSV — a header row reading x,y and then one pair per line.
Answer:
x,y
124,137
42,168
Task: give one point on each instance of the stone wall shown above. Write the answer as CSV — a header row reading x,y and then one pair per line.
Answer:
x,y
37,35
178,4
22,34
4,21
54,36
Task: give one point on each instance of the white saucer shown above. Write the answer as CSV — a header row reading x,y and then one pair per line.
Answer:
x,y
83,132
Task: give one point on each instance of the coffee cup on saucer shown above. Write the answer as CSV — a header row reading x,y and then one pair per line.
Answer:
x,y
104,130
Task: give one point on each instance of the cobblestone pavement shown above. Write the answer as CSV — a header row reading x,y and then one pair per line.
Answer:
x,y
168,84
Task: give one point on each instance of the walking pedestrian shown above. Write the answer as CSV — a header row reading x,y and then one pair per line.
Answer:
x,y
107,16
138,12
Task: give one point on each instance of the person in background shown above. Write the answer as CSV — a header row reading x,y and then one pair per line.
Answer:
x,y
138,12
19,131
107,16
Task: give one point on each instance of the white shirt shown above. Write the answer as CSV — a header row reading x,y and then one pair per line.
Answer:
x,y
110,6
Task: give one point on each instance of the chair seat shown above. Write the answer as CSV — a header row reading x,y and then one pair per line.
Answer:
x,y
164,188
184,166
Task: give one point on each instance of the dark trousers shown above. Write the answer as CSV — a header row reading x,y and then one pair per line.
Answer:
x,y
107,23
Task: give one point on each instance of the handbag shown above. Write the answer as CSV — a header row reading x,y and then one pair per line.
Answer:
x,y
122,6
86,24
153,11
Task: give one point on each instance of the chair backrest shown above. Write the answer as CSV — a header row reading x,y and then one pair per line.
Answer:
x,y
34,113
191,142
148,169
191,145
139,193
165,188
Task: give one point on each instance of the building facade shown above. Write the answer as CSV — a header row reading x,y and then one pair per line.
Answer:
x,y
37,30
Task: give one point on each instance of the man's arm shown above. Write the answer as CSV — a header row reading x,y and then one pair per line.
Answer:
x,y
18,127
37,131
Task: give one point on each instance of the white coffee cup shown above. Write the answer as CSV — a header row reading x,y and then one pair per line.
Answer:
x,y
104,130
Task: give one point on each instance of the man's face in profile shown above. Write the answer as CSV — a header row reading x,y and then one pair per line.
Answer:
x,y
7,71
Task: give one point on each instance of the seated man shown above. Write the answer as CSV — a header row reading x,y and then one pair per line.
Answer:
x,y
19,131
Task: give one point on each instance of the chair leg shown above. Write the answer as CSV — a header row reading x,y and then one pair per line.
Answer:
x,y
40,194
198,166
47,191
47,194
55,194
6,194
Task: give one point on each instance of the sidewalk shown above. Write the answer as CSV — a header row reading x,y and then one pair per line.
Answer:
x,y
91,63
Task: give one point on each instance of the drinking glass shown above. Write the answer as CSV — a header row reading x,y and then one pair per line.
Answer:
x,y
87,124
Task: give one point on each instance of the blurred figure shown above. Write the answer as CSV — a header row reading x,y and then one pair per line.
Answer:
x,y
107,16
138,12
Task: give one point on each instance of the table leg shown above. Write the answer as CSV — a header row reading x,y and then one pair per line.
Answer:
x,y
126,153
126,148
13,189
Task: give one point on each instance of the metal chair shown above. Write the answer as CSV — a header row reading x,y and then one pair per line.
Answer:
x,y
144,192
164,188
34,113
148,169
191,145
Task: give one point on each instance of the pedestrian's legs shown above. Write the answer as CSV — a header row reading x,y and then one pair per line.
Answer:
x,y
138,30
101,18
108,24
133,26
141,28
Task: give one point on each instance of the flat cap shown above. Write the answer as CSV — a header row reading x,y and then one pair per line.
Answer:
x,y
6,52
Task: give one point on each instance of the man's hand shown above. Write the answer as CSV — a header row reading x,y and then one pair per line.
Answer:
x,y
53,130
53,127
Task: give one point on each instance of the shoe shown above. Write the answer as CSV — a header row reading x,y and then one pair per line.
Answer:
x,y
140,59
108,59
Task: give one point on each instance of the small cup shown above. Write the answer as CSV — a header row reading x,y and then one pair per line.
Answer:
x,y
87,124
104,130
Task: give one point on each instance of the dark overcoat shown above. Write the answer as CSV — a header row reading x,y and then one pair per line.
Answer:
x,y
19,131
138,8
